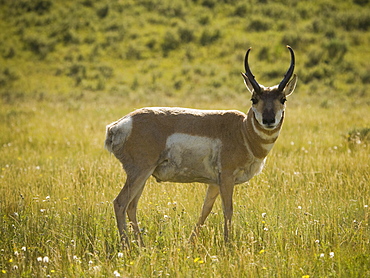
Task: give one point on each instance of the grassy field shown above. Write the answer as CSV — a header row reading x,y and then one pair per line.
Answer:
x,y
67,69
306,214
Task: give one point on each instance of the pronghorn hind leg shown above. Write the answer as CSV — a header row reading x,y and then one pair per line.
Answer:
x,y
212,193
133,187
131,213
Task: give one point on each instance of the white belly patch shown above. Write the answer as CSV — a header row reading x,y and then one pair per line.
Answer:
x,y
189,158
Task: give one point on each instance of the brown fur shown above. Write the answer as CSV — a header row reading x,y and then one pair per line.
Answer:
x,y
241,156
220,148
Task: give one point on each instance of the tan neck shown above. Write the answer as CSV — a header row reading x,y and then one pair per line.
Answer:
x,y
258,139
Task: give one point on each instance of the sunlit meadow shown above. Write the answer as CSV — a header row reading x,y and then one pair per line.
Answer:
x,y
306,214
69,68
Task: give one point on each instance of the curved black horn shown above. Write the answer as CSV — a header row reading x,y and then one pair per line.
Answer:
x,y
249,74
289,73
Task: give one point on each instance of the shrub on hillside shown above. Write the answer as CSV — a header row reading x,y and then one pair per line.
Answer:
x,y
365,75
240,10
354,20
260,24
204,19
38,6
209,3
103,11
77,72
7,76
297,39
38,43
186,34
336,49
170,42
8,52
173,9
209,36
133,52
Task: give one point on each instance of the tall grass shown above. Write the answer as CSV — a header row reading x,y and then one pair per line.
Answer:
x,y
69,68
306,214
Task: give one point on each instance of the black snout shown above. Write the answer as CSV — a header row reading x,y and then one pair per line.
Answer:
x,y
268,118
268,121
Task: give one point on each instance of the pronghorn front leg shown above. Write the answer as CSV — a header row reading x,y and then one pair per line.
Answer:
x,y
226,192
212,193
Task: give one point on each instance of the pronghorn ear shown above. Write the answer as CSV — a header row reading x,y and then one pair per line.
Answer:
x,y
289,88
247,83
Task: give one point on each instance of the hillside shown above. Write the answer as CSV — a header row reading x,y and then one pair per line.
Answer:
x,y
158,52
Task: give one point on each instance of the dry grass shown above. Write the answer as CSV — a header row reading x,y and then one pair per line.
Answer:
x,y
306,214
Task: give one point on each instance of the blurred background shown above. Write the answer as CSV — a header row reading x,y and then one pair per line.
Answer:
x,y
182,52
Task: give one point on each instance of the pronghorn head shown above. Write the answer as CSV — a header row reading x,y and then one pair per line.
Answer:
x,y
268,103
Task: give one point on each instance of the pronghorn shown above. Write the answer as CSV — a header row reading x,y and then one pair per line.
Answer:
x,y
221,148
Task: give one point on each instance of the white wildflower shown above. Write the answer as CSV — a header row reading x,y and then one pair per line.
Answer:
x,y
96,268
331,255
116,274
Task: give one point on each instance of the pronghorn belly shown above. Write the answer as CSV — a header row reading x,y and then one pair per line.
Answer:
x,y
189,158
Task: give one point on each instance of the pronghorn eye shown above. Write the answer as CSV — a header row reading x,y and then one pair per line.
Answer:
x,y
283,100
254,100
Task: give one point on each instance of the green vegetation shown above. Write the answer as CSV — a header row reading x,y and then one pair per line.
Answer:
x,y
68,68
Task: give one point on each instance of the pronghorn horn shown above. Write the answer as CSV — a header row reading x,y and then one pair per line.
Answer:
x,y
249,74
289,73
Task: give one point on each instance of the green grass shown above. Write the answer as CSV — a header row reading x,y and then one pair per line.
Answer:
x,y
58,183
69,68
